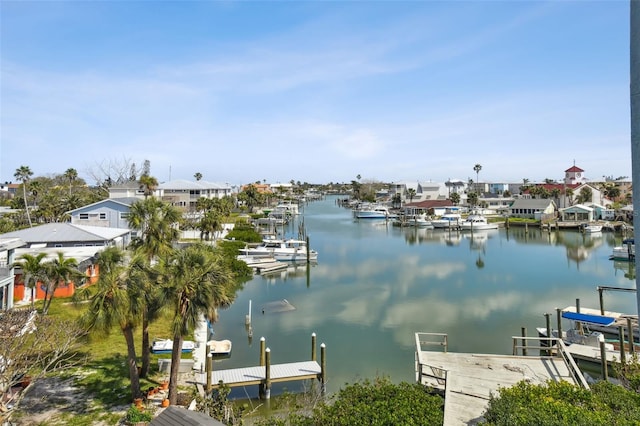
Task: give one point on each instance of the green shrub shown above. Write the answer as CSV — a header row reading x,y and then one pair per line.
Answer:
x,y
135,415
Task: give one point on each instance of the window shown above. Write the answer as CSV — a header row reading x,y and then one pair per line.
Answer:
x,y
84,216
124,215
103,216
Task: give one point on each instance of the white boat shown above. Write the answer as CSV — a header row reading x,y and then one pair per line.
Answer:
x,y
421,221
476,222
165,346
448,220
371,212
591,228
627,251
285,250
219,347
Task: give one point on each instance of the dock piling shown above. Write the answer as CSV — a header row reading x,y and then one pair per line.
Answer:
x,y
622,349
603,361
632,345
209,368
323,368
524,341
548,323
559,320
263,344
313,346
267,374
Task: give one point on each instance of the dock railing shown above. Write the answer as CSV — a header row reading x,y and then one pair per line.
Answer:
x,y
434,376
553,346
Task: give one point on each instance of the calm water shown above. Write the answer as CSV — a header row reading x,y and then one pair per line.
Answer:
x,y
375,285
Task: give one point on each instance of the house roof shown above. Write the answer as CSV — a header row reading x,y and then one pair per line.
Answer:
x,y
578,207
428,204
535,203
125,201
574,169
9,243
183,184
179,416
66,232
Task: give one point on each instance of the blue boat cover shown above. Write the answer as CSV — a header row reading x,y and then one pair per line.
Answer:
x,y
591,319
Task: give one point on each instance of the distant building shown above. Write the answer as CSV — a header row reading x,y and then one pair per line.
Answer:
x,y
538,209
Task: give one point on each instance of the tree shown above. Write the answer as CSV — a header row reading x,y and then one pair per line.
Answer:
x,y
35,346
156,224
71,175
472,199
477,169
455,198
116,300
569,194
33,271
23,174
250,196
195,282
60,270
198,176
148,184
411,193
585,196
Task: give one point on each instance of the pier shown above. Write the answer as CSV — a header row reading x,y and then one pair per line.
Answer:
x,y
468,380
266,373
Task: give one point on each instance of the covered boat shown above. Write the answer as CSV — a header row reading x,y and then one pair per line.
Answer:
x,y
165,346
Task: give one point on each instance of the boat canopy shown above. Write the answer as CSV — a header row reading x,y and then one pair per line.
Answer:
x,y
589,319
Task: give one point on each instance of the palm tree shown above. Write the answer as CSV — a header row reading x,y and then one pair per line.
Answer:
x,y
148,184
411,193
198,176
455,198
477,169
155,221
61,270
115,300
71,175
195,283
33,271
23,174
472,198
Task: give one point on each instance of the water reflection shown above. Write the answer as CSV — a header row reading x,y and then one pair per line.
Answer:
x,y
375,285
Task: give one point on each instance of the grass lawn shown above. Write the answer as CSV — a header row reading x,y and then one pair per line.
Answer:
x,y
104,377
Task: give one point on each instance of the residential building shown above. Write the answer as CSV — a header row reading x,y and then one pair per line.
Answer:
x,y
109,213
578,212
184,194
538,209
8,247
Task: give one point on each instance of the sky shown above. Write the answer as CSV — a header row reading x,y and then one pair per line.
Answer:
x,y
316,91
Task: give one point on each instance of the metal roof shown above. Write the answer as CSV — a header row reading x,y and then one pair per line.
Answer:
x,y
182,184
65,232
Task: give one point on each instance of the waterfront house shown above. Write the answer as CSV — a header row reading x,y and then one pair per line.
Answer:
x,y
538,209
79,242
131,189
8,247
578,213
432,207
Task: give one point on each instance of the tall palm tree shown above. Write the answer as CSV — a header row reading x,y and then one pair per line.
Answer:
x,y
61,270
23,174
196,281
155,221
33,271
411,193
115,300
71,175
198,176
477,169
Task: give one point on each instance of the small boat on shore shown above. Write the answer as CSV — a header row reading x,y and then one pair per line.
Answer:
x,y
165,346
627,251
220,348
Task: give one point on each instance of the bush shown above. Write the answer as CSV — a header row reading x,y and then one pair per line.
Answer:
x,y
135,415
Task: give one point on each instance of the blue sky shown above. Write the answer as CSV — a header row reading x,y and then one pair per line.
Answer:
x,y
316,91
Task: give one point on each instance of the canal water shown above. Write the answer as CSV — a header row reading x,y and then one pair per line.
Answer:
x,y
375,285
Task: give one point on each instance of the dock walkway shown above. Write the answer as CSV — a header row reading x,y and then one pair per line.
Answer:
x,y
469,380
247,376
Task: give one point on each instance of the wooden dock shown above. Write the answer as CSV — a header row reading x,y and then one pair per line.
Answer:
x,y
248,376
468,380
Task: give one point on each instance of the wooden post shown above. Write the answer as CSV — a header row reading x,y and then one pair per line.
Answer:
x,y
559,319
632,346
600,291
323,368
263,344
308,252
313,346
506,222
209,371
267,374
526,228
603,359
549,331
621,339
524,341
578,323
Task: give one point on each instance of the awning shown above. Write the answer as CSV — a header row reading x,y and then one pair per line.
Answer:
x,y
590,319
